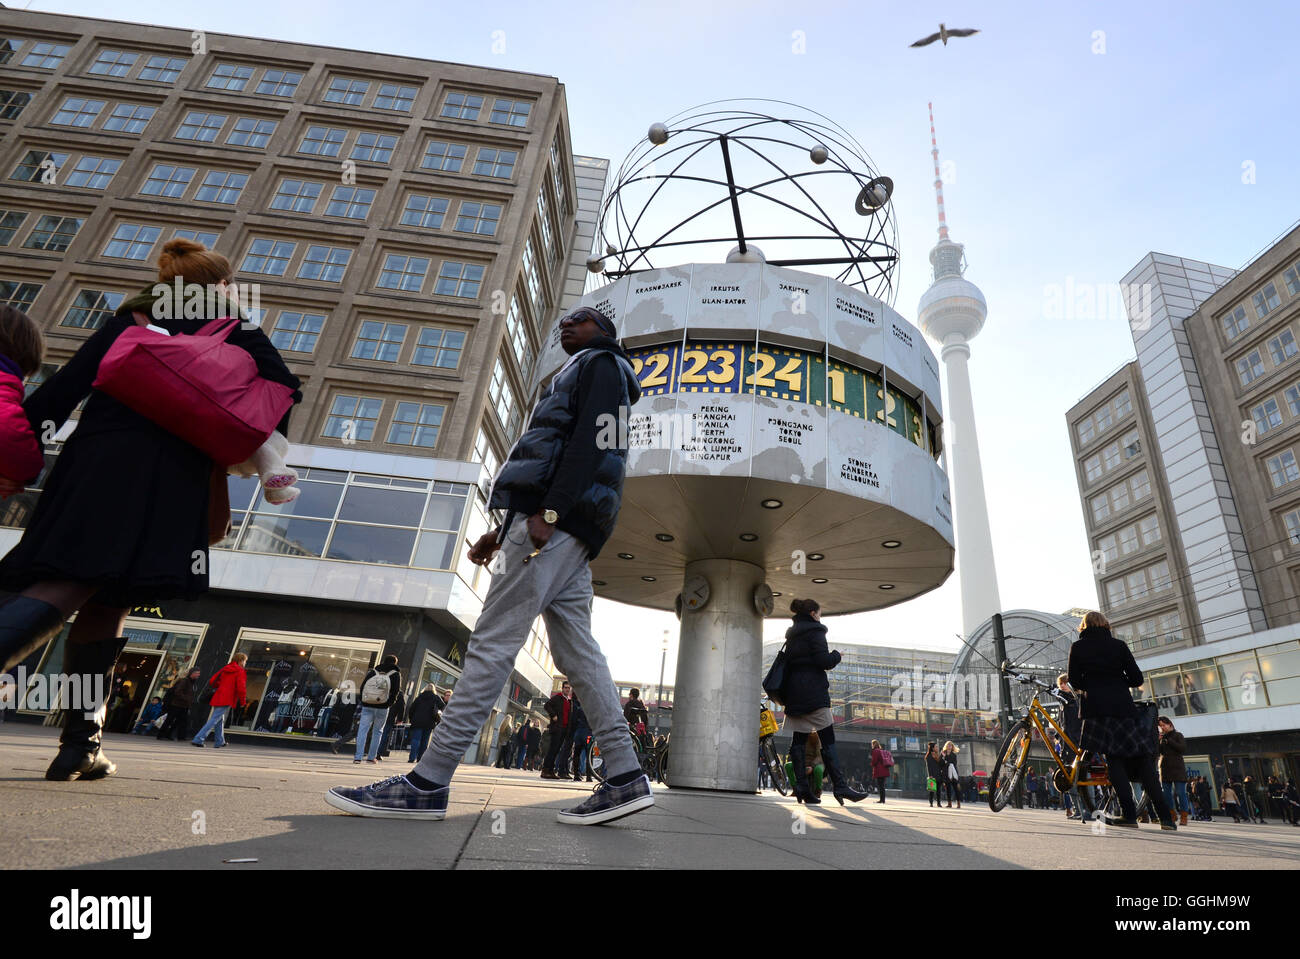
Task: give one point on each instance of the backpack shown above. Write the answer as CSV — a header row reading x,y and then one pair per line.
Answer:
x,y
886,757
376,690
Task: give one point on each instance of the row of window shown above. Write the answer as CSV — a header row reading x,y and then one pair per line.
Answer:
x,y
1130,539
1105,416
1282,469
1281,350
1139,584
1112,456
234,77
1268,414
1264,301
1116,499
1166,628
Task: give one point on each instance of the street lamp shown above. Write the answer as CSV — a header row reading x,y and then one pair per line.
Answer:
x,y
663,660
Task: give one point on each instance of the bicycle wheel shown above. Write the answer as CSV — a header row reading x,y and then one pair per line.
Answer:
x,y
596,762
663,764
775,768
1010,766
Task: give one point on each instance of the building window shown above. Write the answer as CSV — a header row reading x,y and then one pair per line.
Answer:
x,y
198,236
523,350
1111,455
1150,529
1293,399
416,424
379,341
1119,497
513,113
279,83
1235,323
484,454
19,295
447,157
1250,367
296,196
403,273
202,127
53,233
91,308
1267,416
480,218
169,181
1292,279
1159,576
392,96
1266,301
323,141
502,398
220,186
1140,483
1282,469
132,241
113,63
425,211
1128,540
1106,546
251,132
1282,347
1132,445
548,235
129,118
459,279
438,348
325,263
94,173
1085,431
353,416
230,76
36,163
46,56
8,47
77,112
462,106
374,147
351,202
268,256
495,163
1136,586
1092,467
297,332
1123,405
1292,520
1115,594
161,69
344,90
10,222
1103,419
12,103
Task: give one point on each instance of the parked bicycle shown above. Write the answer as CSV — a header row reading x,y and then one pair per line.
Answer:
x,y
652,756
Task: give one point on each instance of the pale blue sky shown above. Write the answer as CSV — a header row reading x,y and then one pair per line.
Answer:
x,y
1069,165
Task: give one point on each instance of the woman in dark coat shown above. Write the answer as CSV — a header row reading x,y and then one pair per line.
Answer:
x,y
934,772
1102,669
123,517
808,701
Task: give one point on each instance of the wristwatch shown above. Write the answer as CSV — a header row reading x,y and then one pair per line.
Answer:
x,y
550,516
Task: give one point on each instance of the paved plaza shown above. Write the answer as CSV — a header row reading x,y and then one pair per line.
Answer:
x,y
264,803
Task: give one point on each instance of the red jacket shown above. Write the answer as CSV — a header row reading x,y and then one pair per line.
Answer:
x,y
230,681
878,768
20,455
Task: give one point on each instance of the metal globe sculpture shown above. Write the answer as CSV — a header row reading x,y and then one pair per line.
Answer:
x,y
673,201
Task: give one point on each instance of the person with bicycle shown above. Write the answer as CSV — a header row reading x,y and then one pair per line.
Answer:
x,y
637,716
1103,670
808,701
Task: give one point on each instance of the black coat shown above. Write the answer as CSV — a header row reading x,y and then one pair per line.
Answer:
x,y
555,709
426,710
126,504
806,687
1102,670
534,738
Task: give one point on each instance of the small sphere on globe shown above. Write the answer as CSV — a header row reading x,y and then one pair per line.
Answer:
x,y
658,134
818,153
595,264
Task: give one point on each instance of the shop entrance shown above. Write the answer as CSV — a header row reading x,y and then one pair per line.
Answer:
x,y
132,678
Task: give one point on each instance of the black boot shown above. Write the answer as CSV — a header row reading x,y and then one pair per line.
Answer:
x,y
840,782
799,765
26,625
80,755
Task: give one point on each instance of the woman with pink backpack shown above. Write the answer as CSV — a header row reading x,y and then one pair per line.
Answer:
x,y
129,509
882,762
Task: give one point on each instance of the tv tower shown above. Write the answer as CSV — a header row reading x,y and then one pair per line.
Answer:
x,y
951,312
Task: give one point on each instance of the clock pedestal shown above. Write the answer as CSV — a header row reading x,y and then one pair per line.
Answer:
x,y
719,672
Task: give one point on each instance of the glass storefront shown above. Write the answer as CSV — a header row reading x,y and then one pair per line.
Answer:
x,y
1251,679
439,672
297,681
353,517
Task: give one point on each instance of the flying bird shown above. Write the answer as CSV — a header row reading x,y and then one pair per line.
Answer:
x,y
943,34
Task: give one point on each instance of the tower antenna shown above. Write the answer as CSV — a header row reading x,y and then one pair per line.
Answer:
x,y
938,180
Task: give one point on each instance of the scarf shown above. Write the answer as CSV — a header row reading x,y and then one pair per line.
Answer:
x,y
213,305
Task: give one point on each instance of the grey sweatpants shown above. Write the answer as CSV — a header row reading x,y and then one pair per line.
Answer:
x,y
557,584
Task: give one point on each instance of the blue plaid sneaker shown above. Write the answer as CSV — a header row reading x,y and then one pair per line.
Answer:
x,y
392,798
610,802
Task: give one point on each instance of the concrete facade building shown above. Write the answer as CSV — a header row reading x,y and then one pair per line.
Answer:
x,y
402,229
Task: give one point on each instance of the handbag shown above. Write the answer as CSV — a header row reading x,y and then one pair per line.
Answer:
x,y
931,785
952,773
775,678
199,388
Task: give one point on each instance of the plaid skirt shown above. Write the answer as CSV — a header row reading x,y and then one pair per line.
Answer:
x,y
1123,737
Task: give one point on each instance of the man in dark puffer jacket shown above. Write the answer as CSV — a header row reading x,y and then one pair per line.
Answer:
x,y
561,487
